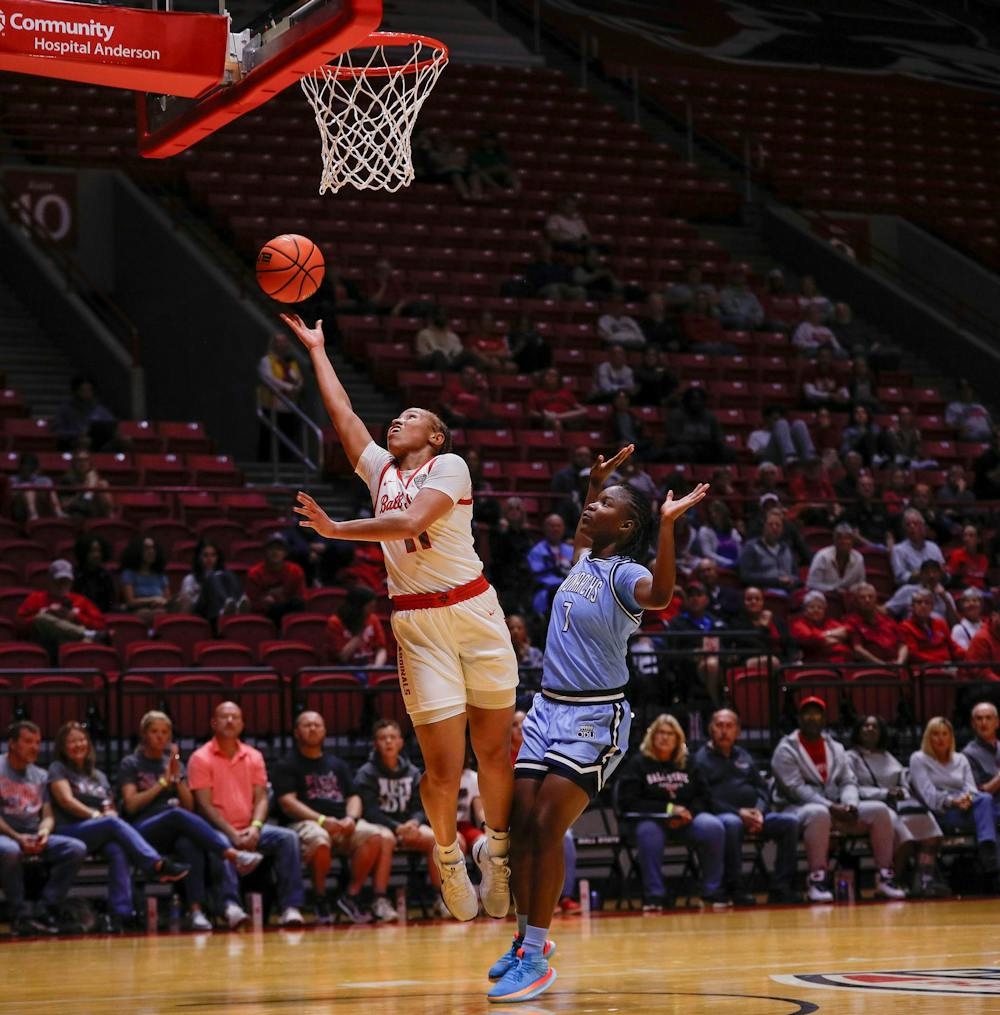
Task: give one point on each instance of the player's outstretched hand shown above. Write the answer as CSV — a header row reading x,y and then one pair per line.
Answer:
x,y
314,517
601,469
673,509
311,338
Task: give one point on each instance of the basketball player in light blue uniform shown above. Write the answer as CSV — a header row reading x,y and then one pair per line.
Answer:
x,y
576,733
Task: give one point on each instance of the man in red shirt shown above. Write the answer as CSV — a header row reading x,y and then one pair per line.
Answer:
x,y
985,647
926,636
57,615
464,398
552,404
967,564
874,637
275,586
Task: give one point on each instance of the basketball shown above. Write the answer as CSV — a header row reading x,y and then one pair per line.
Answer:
x,y
290,268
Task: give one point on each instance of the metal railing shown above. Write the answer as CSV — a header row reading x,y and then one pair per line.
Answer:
x,y
268,417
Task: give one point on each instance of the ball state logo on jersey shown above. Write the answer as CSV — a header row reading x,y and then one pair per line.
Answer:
x,y
982,981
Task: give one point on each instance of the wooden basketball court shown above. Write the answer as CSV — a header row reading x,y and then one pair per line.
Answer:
x,y
686,962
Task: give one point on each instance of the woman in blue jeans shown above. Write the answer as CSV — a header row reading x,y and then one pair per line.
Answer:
x,y
160,806
660,782
84,810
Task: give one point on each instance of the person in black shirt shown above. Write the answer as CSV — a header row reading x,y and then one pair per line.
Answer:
x,y
868,514
528,347
316,798
93,579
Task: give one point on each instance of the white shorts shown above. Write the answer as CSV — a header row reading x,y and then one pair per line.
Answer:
x,y
455,655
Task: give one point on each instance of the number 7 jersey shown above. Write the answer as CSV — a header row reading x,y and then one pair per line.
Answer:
x,y
594,613
444,557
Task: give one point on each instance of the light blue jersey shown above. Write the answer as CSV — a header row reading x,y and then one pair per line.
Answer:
x,y
594,613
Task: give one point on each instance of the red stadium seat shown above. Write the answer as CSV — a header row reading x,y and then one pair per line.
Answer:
x,y
751,697
223,654
882,700
166,531
36,576
184,631
51,531
337,696
325,601
388,700
261,696
185,438
153,655
83,656
307,628
249,630
52,699
214,470
198,505
136,694
288,657
223,532
18,553
141,435
163,470
22,655
29,434
246,551
137,506
246,508
125,628
114,530
192,712
6,629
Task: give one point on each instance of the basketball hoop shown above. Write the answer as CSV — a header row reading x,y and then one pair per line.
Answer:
x,y
366,104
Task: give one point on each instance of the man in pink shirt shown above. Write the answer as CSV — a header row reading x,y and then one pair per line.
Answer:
x,y
229,782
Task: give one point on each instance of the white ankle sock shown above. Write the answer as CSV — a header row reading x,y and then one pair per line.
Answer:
x,y
498,843
449,854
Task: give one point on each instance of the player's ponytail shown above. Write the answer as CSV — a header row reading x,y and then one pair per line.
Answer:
x,y
636,544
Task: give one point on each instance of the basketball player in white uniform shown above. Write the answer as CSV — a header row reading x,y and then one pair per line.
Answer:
x,y
456,661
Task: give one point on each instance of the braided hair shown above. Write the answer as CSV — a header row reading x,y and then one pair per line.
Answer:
x,y
636,545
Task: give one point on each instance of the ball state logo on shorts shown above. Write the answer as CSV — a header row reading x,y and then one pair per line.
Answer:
x,y
980,981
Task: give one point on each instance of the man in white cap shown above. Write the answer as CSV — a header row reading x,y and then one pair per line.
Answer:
x,y
58,615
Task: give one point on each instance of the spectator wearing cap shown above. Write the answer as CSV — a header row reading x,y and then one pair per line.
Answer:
x,y
929,579
813,780
779,441
275,586
967,564
705,667
927,636
767,560
985,647
57,615
839,566
874,636
821,638
910,553
970,618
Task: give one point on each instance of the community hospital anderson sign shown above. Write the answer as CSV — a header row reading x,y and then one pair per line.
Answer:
x,y
149,51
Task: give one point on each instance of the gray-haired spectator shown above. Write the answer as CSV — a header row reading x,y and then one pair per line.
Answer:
x,y
738,305
929,578
970,612
908,554
838,566
812,335
779,441
767,561
613,375
970,418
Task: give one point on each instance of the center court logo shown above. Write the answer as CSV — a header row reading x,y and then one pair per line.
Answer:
x,y
972,982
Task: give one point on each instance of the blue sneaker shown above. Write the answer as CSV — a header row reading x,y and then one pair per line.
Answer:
x,y
529,976
509,957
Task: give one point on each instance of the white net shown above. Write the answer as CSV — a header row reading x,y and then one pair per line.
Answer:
x,y
366,104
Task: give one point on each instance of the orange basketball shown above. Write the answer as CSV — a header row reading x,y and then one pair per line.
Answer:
x,y
290,268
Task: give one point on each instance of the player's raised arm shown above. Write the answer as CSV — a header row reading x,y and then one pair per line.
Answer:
x,y
599,473
353,433
656,594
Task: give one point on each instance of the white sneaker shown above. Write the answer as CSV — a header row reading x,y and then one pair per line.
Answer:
x,y
383,910
817,888
494,890
291,917
246,861
198,921
457,890
885,884
236,916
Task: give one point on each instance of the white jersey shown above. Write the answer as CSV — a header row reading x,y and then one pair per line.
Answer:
x,y
444,557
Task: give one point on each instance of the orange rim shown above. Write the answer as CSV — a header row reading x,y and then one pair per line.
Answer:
x,y
390,39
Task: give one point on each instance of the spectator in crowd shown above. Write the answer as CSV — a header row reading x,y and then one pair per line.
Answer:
x,y
550,560
985,648
387,295
572,481
779,441
656,382
275,586
724,603
791,533
922,500
810,296
489,165
719,539
971,419
485,506
812,335
910,553
438,347
680,295
354,634
967,564
210,590
739,308
839,566
465,398
701,673
388,784
624,426
666,798
552,404
279,371
685,544
811,490
613,375
159,805
93,580
929,579
548,278
853,336
906,441
868,515
970,620
738,796
943,779
821,638
229,782
896,494
773,637
317,799
813,780
84,416
619,328
881,777
694,432
57,615
633,475
595,276
84,809
873,635
767,560
822,387
847,486
93,501
987,470
566,228
702,329
26,830
957,498
144,582
27,504
983,751
528,656
439,160
659,327
866,437
509,546
489,343
528,347
927,636
862,387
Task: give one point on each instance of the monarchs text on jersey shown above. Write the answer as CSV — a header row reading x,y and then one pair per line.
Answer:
x,y
444,556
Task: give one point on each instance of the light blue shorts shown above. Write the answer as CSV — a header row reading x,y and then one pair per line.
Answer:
x,y
583,743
